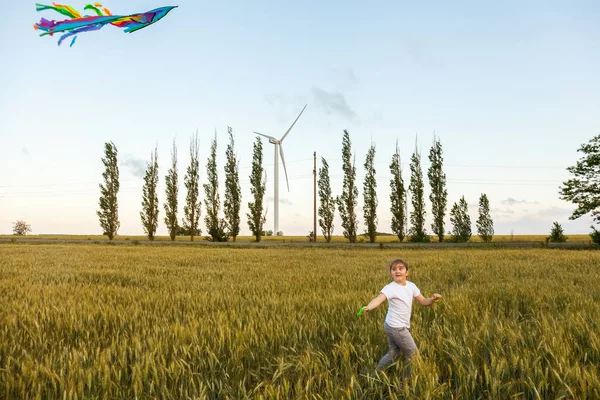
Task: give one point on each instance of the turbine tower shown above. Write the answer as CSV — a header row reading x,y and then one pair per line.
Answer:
x,y
279,150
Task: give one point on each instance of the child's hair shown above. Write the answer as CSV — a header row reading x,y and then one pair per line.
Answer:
x,y
398,261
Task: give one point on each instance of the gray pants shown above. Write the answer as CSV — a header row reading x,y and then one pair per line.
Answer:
x,y
400,342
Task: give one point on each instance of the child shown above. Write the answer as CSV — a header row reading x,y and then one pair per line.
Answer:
x,y
399,293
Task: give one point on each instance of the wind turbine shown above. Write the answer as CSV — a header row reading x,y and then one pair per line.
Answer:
x,y
278,146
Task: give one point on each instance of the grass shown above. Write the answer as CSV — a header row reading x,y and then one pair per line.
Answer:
x,y
88,321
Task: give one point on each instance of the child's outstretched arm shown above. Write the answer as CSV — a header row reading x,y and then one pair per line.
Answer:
x,y
376,302
427,302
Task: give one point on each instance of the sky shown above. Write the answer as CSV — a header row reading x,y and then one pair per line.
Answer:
x,y
511,89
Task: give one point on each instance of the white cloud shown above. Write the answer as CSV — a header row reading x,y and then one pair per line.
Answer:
x,y
136,166
334,103
510,201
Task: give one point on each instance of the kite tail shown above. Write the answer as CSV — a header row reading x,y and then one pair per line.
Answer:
x,y
62,9
45,26
97,10
92,7
74,32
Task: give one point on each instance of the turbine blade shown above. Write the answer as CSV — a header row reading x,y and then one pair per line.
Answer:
x,y
284,169
288,131
267,136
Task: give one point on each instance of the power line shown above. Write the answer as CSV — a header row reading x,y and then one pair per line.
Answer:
x,y
380,178
292,162
134,190
62,184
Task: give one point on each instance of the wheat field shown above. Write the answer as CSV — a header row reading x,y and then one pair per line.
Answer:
x,y
177,322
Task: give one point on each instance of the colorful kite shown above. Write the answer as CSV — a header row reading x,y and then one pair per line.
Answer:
x,y
79,23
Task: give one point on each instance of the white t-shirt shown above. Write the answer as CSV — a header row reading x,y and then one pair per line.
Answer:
x,y
400,299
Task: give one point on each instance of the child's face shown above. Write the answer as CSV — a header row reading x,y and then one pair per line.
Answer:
x,y
399,273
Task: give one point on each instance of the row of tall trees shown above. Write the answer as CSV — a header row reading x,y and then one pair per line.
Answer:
x,y
347,202
581,190
219,228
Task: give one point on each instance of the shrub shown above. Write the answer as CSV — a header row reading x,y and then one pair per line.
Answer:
x,y
219,232
419,239
595,235
556,233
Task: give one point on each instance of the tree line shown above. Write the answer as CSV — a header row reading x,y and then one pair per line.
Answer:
x,y
226,226
218,228
582,190
347,201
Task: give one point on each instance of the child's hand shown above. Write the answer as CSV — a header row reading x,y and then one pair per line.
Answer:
x,y
362,310
436,297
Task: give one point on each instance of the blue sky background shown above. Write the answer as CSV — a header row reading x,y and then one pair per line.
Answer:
x,y
511,89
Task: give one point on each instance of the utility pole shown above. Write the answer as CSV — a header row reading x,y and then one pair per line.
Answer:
x,y
315,199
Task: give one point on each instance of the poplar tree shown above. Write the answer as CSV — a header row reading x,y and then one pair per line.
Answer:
x,y
256,218
191,210
233,193
171,180
149,213
397,197
439,194
461,221
370,196
417,216
109,206
347,201
216,227
485,225
326,202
